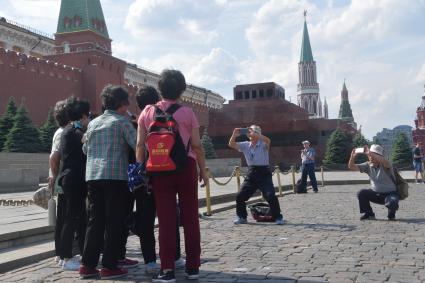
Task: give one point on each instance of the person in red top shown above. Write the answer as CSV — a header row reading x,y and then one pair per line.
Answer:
x,y
183,183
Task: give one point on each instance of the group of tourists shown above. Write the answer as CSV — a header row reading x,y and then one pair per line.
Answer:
x,y
89,166
88,170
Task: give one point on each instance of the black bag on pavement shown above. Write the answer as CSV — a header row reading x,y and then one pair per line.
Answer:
x,y
261,212
301,189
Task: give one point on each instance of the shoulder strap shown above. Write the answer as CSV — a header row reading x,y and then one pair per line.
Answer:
x,y
173,108
390,172
158,110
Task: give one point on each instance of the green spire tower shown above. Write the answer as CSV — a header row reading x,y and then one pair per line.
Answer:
x,y
306,54
82,26
308,96
345,112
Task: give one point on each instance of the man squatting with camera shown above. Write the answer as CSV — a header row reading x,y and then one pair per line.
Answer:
x,y
256,152
383,189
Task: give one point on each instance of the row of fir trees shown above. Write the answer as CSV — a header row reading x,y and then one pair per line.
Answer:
x,y
18,133
340,144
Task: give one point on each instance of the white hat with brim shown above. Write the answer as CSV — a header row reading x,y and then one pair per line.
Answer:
x,y
377,149
305,142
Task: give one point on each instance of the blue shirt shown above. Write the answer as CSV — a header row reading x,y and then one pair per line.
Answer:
x,y
310,153
255,155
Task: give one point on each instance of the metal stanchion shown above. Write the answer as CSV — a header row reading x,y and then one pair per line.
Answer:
x,y
279,184
294,188
208,193
323,178
238,177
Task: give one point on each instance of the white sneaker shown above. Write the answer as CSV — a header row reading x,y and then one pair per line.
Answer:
x,y
71,264
180,263
57,259
60,263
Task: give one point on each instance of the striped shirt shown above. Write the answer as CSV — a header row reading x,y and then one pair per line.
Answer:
x,y
108,139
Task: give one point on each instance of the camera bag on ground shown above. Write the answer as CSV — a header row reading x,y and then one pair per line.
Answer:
x,y
261,212
300,188
167,153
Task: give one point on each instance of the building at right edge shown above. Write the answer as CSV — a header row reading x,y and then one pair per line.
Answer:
x,y
418,133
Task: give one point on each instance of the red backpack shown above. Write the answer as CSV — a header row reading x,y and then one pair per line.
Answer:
x,y
166,151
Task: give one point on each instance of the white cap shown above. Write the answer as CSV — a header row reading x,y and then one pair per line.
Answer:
x,y
256,129
305,142
376,148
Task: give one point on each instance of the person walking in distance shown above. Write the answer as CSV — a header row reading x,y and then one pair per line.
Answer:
x,y
256,152
307,166
417,162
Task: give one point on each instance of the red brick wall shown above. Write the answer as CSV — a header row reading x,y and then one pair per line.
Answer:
x,y
39,82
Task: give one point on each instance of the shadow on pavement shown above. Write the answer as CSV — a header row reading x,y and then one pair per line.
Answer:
x,y
315,226
412,220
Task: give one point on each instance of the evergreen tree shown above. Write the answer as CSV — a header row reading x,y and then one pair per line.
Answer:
x,y
338,148
6,122
360,141
401,151
23,137
47,130
208,145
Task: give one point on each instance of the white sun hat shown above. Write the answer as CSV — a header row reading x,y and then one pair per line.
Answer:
x,y
376,148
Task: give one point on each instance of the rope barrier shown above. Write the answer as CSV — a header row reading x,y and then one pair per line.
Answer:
x,y
223,183
12,202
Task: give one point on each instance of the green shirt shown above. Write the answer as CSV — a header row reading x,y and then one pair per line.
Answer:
x,y
108,139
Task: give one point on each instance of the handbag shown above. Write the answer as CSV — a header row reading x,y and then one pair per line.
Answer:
x,y
401,185
41,197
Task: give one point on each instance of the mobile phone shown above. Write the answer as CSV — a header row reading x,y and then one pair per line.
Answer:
x,y
359,150
243,131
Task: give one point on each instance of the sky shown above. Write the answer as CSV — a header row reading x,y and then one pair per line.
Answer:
x,y
377,46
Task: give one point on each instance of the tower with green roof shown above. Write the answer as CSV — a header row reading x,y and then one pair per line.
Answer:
x,y
345,112
308,89
81,27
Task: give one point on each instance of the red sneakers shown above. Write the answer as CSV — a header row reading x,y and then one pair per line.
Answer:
x,y
106,273
127,263
87,272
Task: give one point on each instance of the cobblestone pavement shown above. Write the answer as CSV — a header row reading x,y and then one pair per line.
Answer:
x,y
323,241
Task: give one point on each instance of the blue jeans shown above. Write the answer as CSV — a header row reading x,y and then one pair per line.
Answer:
x,y
308,169
418,166
259,177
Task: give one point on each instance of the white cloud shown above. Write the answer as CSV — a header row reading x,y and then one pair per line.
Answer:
x,y
174,20
420,77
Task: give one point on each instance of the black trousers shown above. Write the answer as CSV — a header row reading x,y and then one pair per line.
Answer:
x,y
145,224
107,213
365,196
74,217
308,170
258,178
60,217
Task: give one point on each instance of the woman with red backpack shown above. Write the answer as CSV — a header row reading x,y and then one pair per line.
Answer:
x,y
170,133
